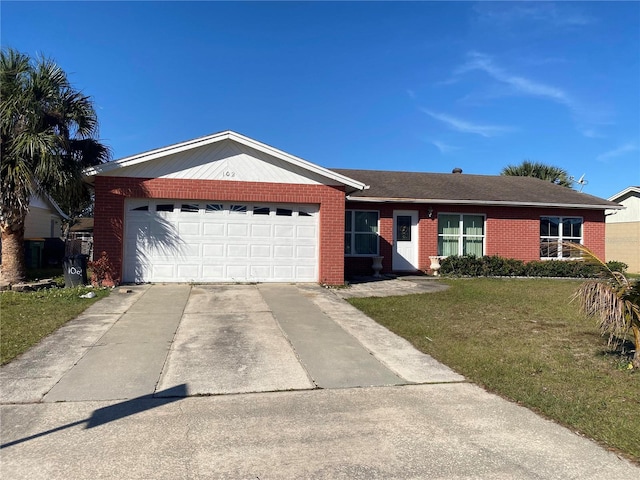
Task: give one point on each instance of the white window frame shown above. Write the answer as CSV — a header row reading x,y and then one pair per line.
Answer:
x,y
461,234
353,233
561,237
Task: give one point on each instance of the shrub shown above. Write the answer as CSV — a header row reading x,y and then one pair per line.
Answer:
x,y
495,266
467,265
615,266
102,271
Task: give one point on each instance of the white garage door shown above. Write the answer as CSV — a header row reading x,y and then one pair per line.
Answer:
x,y
187,241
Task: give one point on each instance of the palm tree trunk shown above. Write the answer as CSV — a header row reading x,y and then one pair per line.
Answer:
x,y
14,268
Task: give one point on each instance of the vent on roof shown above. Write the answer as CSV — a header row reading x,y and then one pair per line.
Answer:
x,y
456,170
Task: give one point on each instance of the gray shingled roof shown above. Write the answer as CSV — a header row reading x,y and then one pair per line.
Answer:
x,y
462,188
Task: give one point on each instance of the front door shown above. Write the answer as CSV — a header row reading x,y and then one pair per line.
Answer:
x,y
405,240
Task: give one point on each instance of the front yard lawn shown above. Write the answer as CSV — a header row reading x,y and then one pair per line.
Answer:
x,y
523,340
27,317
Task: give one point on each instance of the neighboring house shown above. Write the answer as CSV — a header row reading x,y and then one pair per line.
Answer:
x,y
623,229
44,219
226,208
42,232
81,237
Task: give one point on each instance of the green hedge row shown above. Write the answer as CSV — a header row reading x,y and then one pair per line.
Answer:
x,y
494,266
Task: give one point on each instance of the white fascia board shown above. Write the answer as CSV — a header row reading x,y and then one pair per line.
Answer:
x,y
217,137
488,203
55,206
621,194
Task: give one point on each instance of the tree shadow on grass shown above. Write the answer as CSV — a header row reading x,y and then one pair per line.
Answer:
x,y
115,412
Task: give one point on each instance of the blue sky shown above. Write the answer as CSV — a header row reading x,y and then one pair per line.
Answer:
x,y
416,86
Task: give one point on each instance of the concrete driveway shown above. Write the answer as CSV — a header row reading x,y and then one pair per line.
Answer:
x,y
138,387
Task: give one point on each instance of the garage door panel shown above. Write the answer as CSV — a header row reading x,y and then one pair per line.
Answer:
x,y
237,251
283,231
303,271
237,272
306,231
163,271
212,241
283,251
213,250
189,271
188,228
260,251
212,272
213,229
283,272
305,251
237,230
260,272
261,231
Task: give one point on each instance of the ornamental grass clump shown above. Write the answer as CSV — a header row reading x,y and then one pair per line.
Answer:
x,y
614,301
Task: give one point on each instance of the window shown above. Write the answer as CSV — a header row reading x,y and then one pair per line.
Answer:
x,y
403,228
284,212
460,235
213,207
261,210
164,207
360,232
190,208
556,230
241,209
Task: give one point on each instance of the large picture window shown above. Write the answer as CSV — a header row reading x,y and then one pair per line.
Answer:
x,y
554,231
460,235
360,232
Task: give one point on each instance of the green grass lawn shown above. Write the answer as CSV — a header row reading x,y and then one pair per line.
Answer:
x,y
523,340
26,318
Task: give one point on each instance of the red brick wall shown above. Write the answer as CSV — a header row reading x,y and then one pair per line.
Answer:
x,y
511,232
111,193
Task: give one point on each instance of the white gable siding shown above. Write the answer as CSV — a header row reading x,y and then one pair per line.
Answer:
x,y
631,213
226,160
42,223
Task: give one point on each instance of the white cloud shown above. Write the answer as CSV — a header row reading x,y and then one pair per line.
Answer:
x,y
443,147
468,127
590,132
546,13
518,84
617,152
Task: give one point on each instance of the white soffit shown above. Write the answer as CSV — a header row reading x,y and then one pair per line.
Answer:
x,y
223,156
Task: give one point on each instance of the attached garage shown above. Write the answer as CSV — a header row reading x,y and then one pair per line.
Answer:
x,y
211,241
221,208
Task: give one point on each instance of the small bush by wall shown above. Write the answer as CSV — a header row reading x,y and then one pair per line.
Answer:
x,y
494,266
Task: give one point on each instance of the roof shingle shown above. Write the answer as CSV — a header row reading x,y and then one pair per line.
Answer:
x,y
463,188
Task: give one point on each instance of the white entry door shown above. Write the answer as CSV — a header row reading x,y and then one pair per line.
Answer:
x,y
405,240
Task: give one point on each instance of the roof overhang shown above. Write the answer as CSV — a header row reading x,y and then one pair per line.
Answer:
x,y
496,203
350,184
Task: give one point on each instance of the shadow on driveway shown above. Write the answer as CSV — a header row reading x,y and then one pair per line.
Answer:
x,y
115,412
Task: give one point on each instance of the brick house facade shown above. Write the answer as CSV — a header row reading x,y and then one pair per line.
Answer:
x,y
227,208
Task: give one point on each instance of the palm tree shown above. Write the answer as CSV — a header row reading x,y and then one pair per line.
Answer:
x,y
48,136
614,301
552,174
